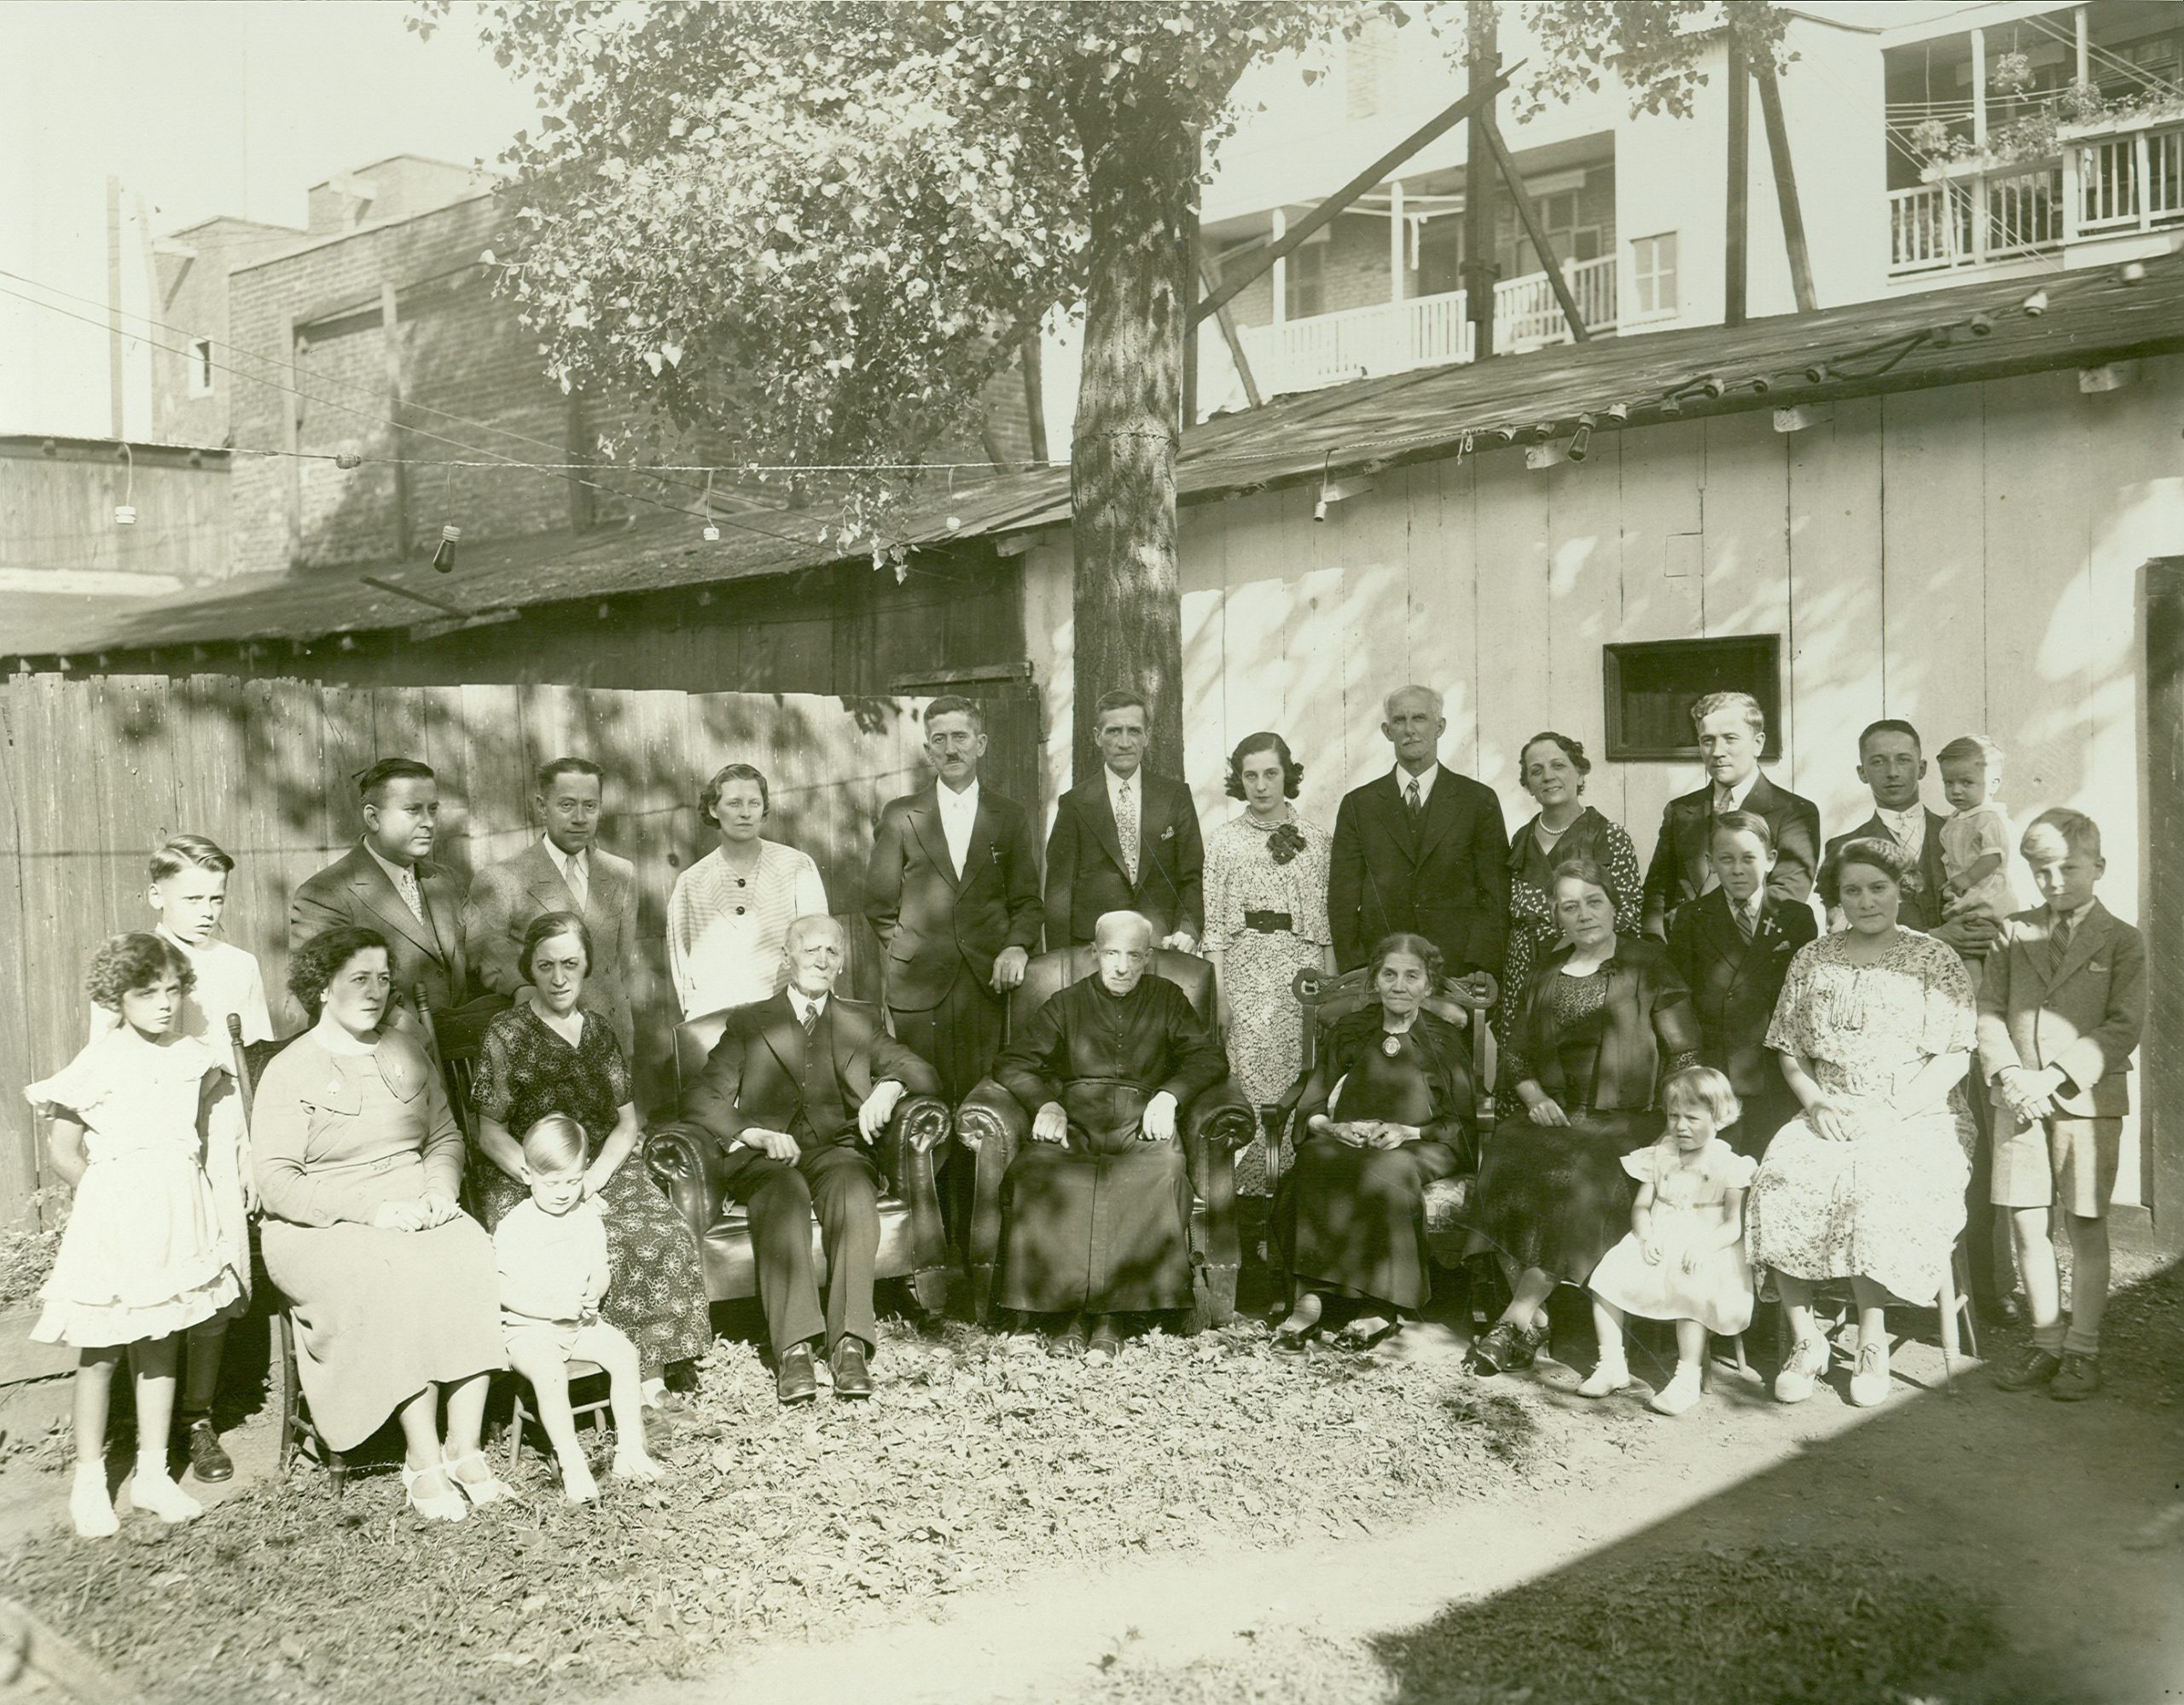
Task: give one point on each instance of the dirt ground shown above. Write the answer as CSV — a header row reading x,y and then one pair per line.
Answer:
x,y
2016,1510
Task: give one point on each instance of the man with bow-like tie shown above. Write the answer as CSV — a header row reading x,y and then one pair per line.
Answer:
x,y
388,882
795,1091
1125,841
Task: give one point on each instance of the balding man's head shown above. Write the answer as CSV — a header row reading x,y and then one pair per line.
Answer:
x,y
1124,941
816,948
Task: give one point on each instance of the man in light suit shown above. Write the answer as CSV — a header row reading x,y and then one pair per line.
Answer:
x,y
1422,849
796,1091
1125,841
1892,763
565,870
1732,732
388,882
2060,1011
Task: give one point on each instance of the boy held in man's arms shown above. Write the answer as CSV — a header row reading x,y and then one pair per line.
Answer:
x,y
2060,1009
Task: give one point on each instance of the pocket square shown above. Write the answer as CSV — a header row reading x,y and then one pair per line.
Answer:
x,y
1168,833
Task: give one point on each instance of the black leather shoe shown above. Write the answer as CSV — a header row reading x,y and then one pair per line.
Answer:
x,y
1071,1343
796,1380
853,1376
208,1460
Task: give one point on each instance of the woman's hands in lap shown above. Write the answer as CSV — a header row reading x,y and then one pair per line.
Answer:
x,y
1547,1110
419,1214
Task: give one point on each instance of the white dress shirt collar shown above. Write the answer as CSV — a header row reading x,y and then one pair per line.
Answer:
x,y
1908,827
1424,780
804,1005
959,814
1733,799
575,865
2073,918
1134,781
396,873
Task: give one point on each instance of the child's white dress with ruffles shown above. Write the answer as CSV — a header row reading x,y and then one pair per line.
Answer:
x,y
1687,1202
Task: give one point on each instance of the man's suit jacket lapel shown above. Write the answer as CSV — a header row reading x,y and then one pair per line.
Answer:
x,y
1441,810
607,898
1718,929
371,884
985,831
925,818
1693,812
785,1036
1388,793
542,876
1099,812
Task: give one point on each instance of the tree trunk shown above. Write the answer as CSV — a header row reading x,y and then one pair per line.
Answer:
x,y
1128,611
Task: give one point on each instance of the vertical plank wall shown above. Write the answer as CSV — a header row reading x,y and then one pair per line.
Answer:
x,y
95,773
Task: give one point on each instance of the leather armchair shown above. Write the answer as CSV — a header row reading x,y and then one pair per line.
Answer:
x,y
684,1159
993,1124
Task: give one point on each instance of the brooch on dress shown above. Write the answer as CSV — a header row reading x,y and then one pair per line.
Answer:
x,y
1285,843
1391,1046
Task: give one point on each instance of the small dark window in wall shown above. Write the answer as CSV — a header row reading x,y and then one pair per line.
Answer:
x,y
200,367
1653,685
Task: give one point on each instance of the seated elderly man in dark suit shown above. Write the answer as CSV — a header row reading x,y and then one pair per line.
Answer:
x,y
795,1091
1095,1208
1732,732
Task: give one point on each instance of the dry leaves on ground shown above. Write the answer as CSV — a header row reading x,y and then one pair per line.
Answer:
x,y
977,1462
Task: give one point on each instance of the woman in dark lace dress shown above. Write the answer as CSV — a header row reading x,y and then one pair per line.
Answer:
x,y
1387,1112
554,1055
1604,1020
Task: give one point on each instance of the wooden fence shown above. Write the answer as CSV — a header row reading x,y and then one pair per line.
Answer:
x,y
93,774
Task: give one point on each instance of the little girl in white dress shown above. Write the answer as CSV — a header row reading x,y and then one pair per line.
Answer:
x,y
1683,1259
144,1257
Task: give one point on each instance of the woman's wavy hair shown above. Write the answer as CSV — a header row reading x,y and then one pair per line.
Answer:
x,y
1587,870
1884,856
1292,772
319,960
1573,748
125,963
709,795
543,928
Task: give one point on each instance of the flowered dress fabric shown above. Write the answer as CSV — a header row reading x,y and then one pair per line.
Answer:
x,y
526,1072
1243,873
1689,1196
1533,932
1889,1203
144,1253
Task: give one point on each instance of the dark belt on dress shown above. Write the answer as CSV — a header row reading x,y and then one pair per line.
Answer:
x,y
1268,923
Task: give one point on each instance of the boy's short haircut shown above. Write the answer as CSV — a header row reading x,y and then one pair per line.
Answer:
x,y
555,1142
2079,832
1889,725
1742,823
187,852
1710,1089
1967,748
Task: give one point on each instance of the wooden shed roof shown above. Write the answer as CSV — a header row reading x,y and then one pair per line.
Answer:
x,y
1952,336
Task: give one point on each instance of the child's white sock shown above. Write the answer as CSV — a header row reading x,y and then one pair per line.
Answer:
x,y
89,1507
153,1489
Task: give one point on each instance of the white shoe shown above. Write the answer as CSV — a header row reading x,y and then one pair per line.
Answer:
x,y
1804,1370
89,1507
1608,1376
450,1506
635,1464
578,1486
1679,1393
157,1493
1869,1376
480,1485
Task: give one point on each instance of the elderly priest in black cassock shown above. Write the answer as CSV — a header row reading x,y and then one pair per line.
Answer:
x,y
1095,1208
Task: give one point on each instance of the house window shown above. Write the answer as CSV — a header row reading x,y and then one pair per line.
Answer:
x,y
1306,291
1651,685
1441,255
1652,274
200,367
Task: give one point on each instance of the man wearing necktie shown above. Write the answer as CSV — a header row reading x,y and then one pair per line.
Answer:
x,y
796,1091
1422,849
1732,731
1125,841
1892,763
389,882
564,870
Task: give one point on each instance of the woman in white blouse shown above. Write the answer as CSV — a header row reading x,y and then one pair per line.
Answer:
x,y
730,911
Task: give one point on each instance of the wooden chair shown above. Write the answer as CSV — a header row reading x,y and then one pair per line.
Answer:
x,y
992,1123
299,1437
1328,997
455,1038
682,1159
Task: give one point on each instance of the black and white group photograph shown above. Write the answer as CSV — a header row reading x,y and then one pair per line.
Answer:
x,y
1092,852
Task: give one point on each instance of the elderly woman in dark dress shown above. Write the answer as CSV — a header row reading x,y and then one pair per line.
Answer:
x,y
1604,1020
555,1056
1386,1113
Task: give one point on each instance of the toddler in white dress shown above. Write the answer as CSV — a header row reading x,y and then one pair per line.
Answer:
x,y
1683,1259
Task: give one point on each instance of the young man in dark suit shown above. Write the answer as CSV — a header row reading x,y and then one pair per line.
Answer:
x,y
1422,849
1125,841
1892,762
1732,732
795,1091
1732,948
388,882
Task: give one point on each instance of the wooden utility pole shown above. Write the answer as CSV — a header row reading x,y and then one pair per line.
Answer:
x,y
1479,270
1735,251
1785,188
1543,245
1209,279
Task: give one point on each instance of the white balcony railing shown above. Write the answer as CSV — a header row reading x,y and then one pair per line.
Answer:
x,y
1426,331
2104,186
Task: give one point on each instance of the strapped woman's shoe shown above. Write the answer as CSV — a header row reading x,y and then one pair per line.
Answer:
x,y
479,1486
450,1506
1362,1335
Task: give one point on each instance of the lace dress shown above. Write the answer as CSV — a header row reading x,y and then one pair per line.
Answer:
x,y
1265,1040
526,1072
1888,1203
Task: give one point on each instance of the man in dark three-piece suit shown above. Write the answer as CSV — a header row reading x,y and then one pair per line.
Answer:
x,y
1422,849
388,883
1732,732
952,891
795,1091
564,870
1125,841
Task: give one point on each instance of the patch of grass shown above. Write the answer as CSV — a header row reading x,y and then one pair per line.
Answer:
x,y
976,1463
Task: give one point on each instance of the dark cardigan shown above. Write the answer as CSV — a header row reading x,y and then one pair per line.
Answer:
x,y
1649,1021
